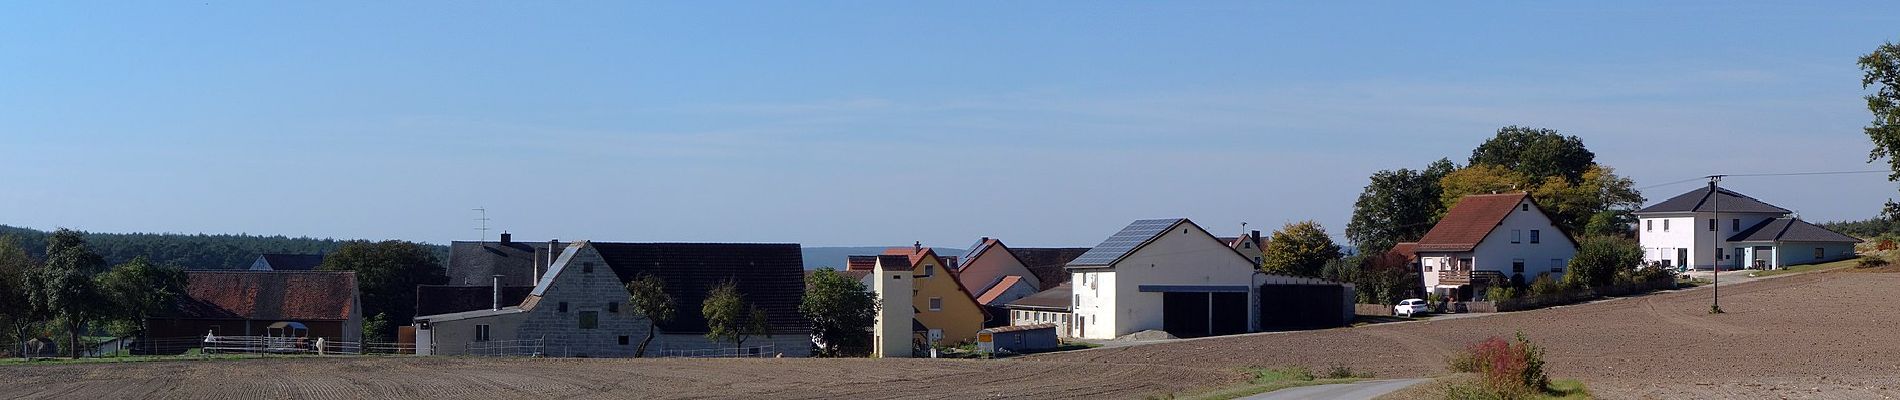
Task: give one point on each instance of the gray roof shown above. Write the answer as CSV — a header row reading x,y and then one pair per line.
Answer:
x,y
1790,230
1132,237
470,314
475,263
1054,298
1699,200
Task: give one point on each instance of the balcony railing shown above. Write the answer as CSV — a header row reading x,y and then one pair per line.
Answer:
x,y
1469,277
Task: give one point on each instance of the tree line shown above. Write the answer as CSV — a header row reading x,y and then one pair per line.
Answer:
x,y
190,251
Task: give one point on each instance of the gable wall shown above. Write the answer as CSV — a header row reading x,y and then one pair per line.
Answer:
x,y
1185,255
1497,253
995,263
959,318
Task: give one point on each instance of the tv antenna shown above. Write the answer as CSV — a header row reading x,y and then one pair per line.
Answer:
x,y
483,220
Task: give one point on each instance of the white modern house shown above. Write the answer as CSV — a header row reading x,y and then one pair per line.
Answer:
x,y
1698,228
1172,275
1492,239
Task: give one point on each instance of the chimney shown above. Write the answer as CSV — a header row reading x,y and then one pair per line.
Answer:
x,y
1256,235
552,243
505,237
497,293
918,247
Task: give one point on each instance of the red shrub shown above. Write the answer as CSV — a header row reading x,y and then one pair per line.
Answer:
x,y
1510,369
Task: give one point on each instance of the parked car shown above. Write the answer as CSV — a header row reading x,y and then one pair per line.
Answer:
x,y
1410,307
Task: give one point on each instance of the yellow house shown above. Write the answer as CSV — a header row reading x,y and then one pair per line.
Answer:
x,y
943,305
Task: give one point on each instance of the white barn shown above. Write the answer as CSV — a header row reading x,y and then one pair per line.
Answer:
x,y
1172,275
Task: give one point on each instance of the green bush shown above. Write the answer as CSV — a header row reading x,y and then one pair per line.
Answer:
x,y
1871,261
1340,372
1601,259
1544,286
1500,292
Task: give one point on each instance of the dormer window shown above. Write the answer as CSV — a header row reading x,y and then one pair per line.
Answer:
x,y
1524,207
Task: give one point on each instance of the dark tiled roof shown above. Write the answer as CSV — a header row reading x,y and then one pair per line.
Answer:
x,y
1468,222
897,261
473,263
1047,262
1790,230
444,299
1699,200
290,262
268,295
1057,297
771,276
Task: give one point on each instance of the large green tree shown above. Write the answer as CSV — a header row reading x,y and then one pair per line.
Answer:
x,y
387,274
1880,70
64,289
648,298
729,317
138,290
1535,153
841,311
1397,206
1479,179
15,301
1572,206
1600,258
1299,249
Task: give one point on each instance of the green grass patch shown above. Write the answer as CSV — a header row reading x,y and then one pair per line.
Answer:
x,y
1467,386
1807,268
1271,379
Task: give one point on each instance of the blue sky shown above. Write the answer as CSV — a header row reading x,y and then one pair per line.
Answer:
x,y
853,123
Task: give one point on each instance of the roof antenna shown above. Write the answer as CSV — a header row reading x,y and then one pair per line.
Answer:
x,y
483,220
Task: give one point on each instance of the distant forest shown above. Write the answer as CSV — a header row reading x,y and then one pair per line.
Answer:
x,y
1867,228
198,251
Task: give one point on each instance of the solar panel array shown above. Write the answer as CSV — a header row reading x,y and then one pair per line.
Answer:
x,y
1125,241
975,249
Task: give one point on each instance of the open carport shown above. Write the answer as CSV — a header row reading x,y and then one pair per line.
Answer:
x,y
1202,310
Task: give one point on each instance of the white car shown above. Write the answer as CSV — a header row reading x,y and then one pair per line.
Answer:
x,y
1410,307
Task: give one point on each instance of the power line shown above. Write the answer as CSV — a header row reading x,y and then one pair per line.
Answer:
x,y
1763,174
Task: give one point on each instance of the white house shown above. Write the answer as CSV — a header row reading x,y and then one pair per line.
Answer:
x,y
1492,239
1684,231
1172,275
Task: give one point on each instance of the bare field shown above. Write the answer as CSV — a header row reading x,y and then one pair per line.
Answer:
x,y
1823,335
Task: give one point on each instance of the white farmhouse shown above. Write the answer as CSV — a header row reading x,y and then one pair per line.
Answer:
x,y
1683,232
1492,239
1172,275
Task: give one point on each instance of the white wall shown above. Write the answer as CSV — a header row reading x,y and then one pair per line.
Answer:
x,y
1193,257
891,333
1497,253
1691,231
1020,317
1094,301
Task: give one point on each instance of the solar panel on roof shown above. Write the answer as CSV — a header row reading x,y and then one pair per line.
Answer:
x,y
1125,241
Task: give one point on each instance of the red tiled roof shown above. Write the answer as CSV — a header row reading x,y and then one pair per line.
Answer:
x,y
1409,249
997,290
268,295
1468,222
860,263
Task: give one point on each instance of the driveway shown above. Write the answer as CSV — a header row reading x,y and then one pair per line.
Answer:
x,y
1353,391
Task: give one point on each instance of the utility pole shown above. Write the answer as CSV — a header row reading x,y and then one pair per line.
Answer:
x,y
1715,200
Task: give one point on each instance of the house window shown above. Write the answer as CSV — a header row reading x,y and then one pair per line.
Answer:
x,y
1534,236
1078,300
613,307
1516,236
936,304
563,307
481,333
1665,225
1557,265
623,340
1524,207
1711,224
1820,252
590,319
929,270
1649,225
1517,266
1735,224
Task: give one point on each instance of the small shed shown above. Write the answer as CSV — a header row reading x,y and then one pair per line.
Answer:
x,y
1017,339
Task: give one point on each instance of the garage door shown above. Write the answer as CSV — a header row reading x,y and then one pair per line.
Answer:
x,y
1285,307
1189,314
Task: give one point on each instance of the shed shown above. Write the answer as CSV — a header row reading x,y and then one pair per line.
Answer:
x,y
1018,339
